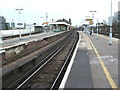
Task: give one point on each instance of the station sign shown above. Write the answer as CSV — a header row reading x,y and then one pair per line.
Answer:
x,y
45,22
89,19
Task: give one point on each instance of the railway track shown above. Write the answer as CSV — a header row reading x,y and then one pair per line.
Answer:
x,y
49,73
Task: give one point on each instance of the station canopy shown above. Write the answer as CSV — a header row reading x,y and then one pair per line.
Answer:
x,y
58,23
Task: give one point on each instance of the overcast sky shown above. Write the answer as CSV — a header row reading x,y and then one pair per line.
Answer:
x,y
77,10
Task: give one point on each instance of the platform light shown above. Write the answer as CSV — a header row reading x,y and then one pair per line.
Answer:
x,y
19,12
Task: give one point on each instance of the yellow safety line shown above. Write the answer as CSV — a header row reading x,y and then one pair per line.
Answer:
x,y
111,81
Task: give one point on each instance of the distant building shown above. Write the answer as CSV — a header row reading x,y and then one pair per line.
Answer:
x,y
38,28
2,23
7,25
12,25
116,17
60,25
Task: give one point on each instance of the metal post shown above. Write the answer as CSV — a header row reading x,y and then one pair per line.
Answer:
x,y
110,34
1,41
92,16
85,28
46,22
43,20
19,15
19,12
30,31
20,33
97,32
97,29
46,17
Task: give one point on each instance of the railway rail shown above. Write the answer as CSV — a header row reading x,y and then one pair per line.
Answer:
x,y
48,73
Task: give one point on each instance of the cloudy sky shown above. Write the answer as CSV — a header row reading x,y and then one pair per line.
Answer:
x,y
77,10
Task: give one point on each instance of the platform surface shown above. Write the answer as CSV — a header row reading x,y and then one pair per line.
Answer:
x,y
95,64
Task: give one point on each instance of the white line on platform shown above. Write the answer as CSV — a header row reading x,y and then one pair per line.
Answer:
x,y
107,37
62,85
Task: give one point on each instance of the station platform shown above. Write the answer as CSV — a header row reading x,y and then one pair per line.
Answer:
x,y
25,39
94,64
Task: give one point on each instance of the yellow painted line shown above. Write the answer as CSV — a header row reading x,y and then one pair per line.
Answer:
x,y
111,81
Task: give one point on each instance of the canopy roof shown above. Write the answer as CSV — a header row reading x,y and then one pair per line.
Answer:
x,y
59,23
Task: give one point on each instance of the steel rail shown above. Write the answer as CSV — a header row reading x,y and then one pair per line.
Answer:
x,y
64,65
54,53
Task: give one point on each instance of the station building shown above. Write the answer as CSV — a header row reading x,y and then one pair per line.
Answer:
x,y
60,25
38,28
34,28
2,23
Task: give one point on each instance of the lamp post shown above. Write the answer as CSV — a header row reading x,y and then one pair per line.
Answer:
x,y
110,34
30,30
86,27
41,20
19,12
46,28
46,17
97,29
92,14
